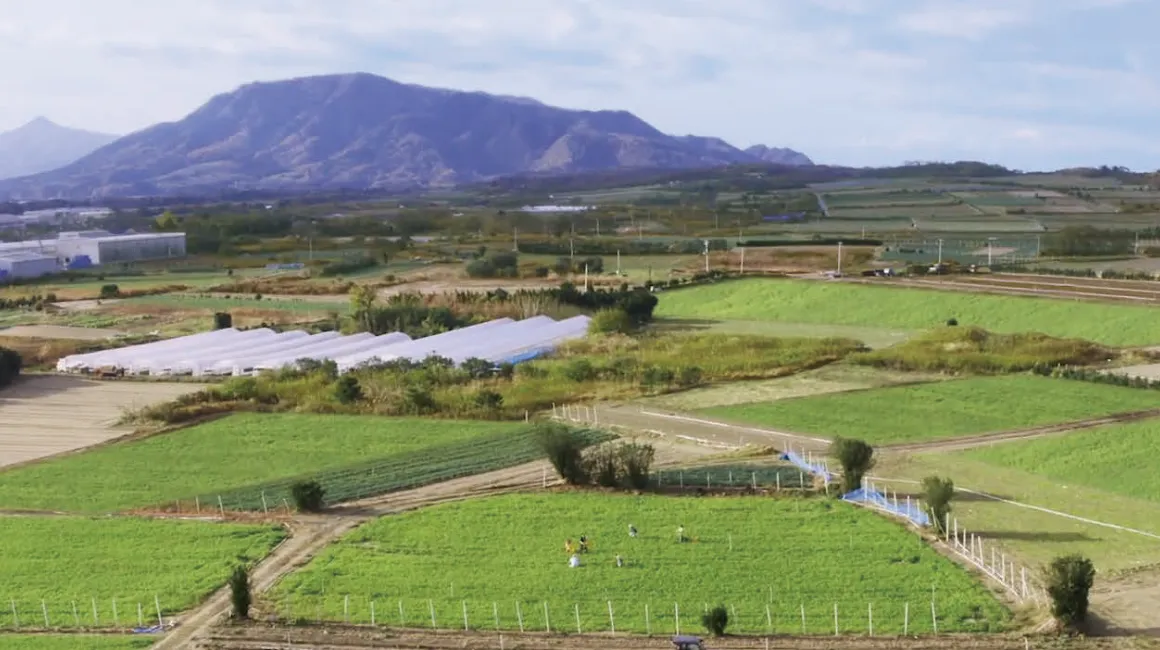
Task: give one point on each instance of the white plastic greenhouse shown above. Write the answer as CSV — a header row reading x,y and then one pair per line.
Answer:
x,y
234,352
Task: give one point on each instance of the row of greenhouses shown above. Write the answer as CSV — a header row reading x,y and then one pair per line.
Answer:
x,y
240,352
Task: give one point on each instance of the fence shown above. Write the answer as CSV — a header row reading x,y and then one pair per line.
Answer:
x,y
768,613
1015,578
739,476
870,496
144,617
1001,250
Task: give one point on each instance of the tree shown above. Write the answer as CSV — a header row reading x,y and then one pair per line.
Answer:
x,y
856,458
937,493
716,620
347,390
10,365
611,321
309,496
564,449
1069,579
109,291
222,320
362,303
240,597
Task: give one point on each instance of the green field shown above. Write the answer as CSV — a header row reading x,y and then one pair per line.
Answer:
x,y
940,410
1120,459
224,455
62,560
835,303
73,642
745,553
221,303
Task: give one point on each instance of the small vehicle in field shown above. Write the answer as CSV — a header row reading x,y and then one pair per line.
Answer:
x,y
687,643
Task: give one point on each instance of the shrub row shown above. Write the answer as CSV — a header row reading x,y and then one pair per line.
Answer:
x,y
1095,376
349,265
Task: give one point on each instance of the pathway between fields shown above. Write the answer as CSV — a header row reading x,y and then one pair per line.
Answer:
x,y
311,534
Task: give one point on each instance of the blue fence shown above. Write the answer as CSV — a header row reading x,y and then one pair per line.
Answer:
x,y
908,509
805,463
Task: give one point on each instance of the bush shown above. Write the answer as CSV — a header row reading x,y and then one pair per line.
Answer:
x,y
856,458
565,450
109,291
1069,579
603,467
716,620
937,493
580,370
309,496
689,376
349,265
952,322
347,390
222,320
10,365
611,321
635,462
488,400
240,593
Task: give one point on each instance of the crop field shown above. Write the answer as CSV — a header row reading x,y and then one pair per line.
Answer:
x,y
73,642
223,456
1119,459
1002,199
62,560
774,562
912,211
941,410
222,303
978,225
885,198
837,303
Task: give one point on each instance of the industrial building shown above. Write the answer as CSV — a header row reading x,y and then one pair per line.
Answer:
x,y
26,264
102,248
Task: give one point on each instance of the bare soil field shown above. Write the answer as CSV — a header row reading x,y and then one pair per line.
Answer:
x,y
1143,371
256,635
1089,289
59,332
45,415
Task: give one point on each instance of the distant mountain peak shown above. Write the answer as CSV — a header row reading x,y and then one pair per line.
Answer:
x,y
359,130
779,155
42,145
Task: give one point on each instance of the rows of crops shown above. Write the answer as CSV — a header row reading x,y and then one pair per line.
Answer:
x,y
734,476
399,472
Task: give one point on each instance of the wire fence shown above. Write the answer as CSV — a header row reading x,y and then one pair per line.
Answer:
x,y
888,617
394,473
145,616
1015,578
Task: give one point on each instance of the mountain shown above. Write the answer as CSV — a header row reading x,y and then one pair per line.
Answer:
x,y
364,131
779,156
42,145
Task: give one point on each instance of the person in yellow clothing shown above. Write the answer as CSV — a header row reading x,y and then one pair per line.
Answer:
x,y
568,548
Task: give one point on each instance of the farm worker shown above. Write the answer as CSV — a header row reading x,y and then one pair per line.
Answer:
x,y
619,561
631,530
583,543
575,561
681,534
568,547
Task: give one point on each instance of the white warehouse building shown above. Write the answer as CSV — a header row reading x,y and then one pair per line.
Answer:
x,y
112,249
26,264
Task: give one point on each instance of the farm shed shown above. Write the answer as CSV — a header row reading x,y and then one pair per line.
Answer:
x,y
236,352
102,248
27,264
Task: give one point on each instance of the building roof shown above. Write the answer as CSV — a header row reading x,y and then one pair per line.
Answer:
x,y
140,236
25,256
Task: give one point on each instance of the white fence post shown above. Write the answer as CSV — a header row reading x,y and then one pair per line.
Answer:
x,y
15,617
547,619
44,610
346,609
906,620
402,617
835,619
520,617
140,616
76,614
933,617
647,621
465,625
611,618
372,613
768,619
116,619
431,607
157,604
803,606
96,618
495,614
677,617
576,608
870,617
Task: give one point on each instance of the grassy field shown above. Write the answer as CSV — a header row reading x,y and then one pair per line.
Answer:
x,y
832,303
942,410
223,455
62,560
1035,536
745,553
874,337
221,303
73,642
1119,459
919,211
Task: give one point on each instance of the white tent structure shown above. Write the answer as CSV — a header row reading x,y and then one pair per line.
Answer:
x,y
326,351
235,352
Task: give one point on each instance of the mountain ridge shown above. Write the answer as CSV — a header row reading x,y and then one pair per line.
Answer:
x,y
365,131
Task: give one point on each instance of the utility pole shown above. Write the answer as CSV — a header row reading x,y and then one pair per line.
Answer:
x,y
585,278
990,241
706,256
742,260
940,252
598,227
839,258
571,249
618,262
1037,247
515,240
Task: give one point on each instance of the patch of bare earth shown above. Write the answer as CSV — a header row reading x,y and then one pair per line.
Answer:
x,y
46,415
59,332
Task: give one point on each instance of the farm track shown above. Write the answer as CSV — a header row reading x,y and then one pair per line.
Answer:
x,y
256,637
1123,291
309,535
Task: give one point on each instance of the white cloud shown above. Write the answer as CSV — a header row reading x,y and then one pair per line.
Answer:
x,y
858,81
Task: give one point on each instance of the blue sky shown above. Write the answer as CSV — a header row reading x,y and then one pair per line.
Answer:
x,y
1032,84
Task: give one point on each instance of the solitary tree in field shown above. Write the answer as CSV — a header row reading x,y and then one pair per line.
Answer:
x,y
856,458
1069,579
240,593
937,493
